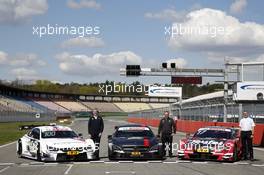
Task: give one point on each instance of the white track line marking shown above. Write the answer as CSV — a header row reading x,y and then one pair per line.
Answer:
x,y
125,161
4,169
241,163
36,163
81,163
24,164
8,144
111,162
258,165
171,162
68,169
155,161
225,163
54,163
183,161
141,162
200,162
259,149
98,161
120,172
6,164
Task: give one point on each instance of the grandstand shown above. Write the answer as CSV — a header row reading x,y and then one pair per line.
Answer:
x,y
52,106
158,105
11,104
130,107
103,106
72,106
22,105
207,107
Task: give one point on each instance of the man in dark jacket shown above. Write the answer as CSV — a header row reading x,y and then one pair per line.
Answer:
x,y
166,129
95,130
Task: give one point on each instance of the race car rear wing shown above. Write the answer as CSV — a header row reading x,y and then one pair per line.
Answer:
x,y
27,127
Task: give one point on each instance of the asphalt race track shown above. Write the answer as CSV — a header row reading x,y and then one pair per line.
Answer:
x,y
11,165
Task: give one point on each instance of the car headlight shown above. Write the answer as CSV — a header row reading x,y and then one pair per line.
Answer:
x,y
116,147
154,148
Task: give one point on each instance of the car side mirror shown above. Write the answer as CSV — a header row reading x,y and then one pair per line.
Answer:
x,y
80,134
188,135
109,137
116,127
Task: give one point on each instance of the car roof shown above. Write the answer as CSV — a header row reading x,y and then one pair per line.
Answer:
x,y
218,128
54,128
132,125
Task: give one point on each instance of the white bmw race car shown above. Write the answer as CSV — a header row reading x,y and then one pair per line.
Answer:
x,y
55,143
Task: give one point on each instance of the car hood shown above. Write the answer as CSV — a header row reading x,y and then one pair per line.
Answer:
x,y
135,141
206,141
66,142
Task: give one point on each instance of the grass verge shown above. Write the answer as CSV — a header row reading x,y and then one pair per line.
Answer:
x,y
9,132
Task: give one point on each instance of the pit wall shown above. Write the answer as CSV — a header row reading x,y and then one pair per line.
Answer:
x,y
190,126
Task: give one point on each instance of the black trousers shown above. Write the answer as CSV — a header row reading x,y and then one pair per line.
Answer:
x,y
166,140
247,148
96,139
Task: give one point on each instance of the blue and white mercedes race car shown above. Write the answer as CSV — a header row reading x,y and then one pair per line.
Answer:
x,y
134,142
55,143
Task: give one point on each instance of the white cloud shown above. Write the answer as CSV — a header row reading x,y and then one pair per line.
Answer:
x,y
15,11
25,73
237,6
219,59
3,57
22,66
97,64
167,15
26,60
92,4
260,58
83,42
237,39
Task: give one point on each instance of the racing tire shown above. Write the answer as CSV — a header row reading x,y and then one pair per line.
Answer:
x,y
235,154
19,149
180,157
110,156
39,154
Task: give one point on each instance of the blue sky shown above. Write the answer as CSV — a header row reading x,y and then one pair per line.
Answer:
x,y
131,32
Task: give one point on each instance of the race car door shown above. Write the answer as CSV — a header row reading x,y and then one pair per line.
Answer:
x,y
33,141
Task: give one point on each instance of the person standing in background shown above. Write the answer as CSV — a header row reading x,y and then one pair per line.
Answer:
x,y
166,128
95,130
247,125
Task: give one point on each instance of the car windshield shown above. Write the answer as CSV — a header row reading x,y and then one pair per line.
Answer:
x,y
58,134
131,133
207,133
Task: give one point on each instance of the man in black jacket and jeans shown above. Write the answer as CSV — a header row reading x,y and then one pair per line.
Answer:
x,y
166,128
95,130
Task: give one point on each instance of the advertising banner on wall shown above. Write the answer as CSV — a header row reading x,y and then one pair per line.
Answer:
x,y
165,91
249,91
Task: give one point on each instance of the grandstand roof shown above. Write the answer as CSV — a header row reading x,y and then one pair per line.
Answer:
x,y
206,96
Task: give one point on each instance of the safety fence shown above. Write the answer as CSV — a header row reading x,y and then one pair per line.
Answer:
x,y
14,116
214,112
190,126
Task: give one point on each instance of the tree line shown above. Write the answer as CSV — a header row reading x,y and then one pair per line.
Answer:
x,y
188,90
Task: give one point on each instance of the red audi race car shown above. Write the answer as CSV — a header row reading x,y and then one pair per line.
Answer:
x,y
212,143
